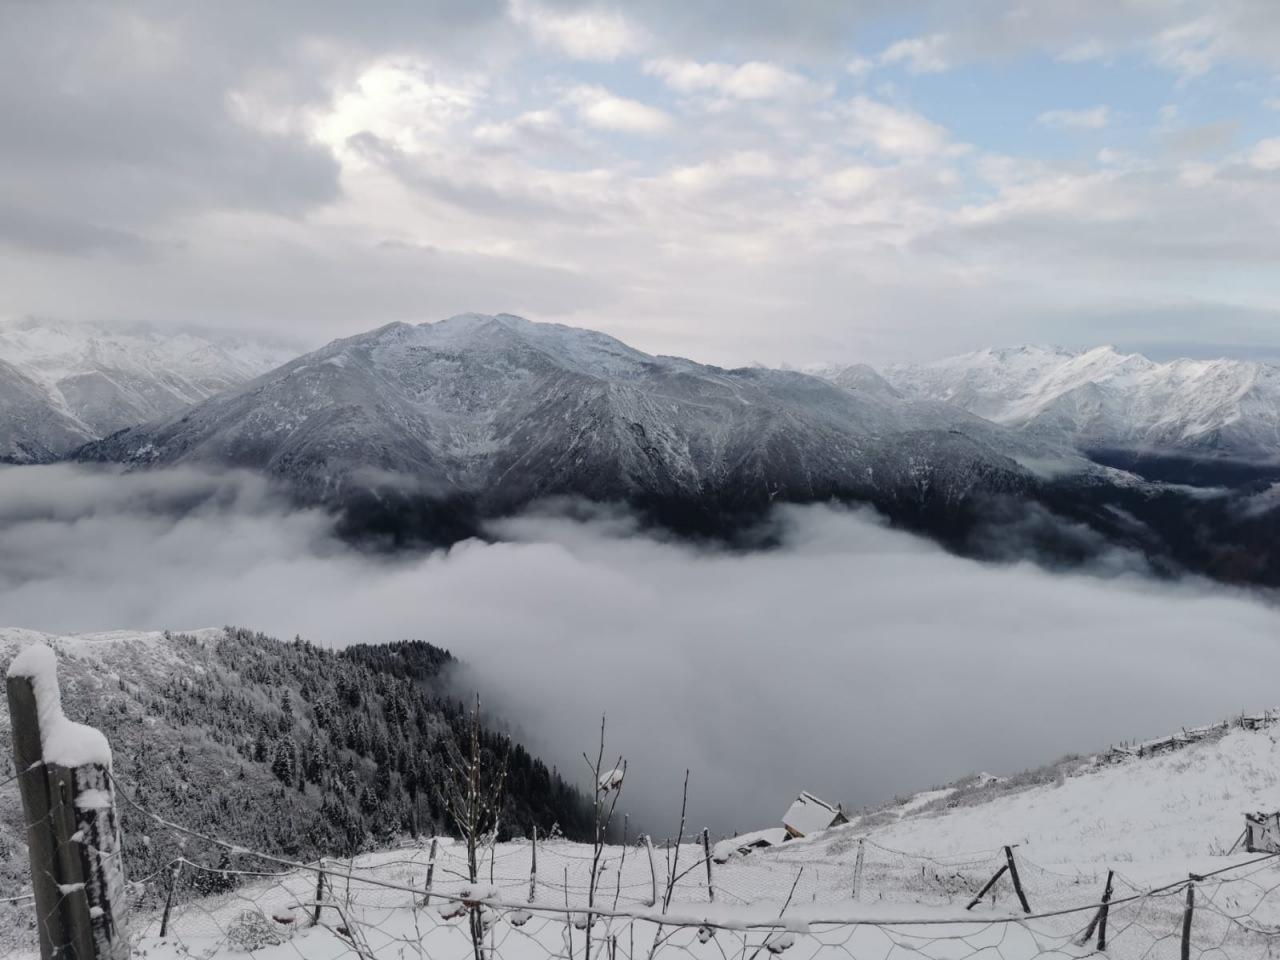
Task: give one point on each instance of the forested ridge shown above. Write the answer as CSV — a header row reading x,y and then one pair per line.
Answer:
x,y
284,747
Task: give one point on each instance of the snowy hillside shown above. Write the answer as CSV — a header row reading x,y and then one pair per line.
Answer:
x,y
1102,398
894,882
294,750
62,384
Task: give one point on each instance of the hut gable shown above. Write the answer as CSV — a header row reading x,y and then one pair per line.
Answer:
x,y
809,815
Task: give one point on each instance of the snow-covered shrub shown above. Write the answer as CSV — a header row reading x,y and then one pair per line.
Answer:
x,y
252,931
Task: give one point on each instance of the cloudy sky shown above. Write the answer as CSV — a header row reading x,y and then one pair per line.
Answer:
x,y
735,181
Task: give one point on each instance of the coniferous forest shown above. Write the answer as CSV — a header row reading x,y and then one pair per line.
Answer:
x,y
287,748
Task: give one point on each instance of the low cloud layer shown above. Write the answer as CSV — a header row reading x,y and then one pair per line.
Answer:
x,y
854,661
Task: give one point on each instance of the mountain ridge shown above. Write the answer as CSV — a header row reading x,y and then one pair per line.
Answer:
x,y
1105,399
497,411
63,384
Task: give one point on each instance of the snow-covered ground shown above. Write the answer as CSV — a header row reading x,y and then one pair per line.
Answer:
x,y
1153,820
894,882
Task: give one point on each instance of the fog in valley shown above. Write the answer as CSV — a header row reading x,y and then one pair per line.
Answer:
x,y
853,661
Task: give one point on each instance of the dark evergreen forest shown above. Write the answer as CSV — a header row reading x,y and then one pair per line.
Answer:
x,y
286,748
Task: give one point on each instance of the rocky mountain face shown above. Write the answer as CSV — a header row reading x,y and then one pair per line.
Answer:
x,y
63,384
1106,401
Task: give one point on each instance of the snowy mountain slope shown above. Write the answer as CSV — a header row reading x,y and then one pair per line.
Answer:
x,y
34,426
1186,803
490,412
865,889
1102,399
62,384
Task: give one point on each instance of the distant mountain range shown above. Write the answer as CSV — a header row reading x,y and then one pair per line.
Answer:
x,y
1113,405
63,384
423,433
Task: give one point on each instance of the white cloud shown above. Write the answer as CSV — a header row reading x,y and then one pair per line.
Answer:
x,y
755,80
1090,118
1111,157
892,131
853,181
1272,103
537,126
860,66
403,102
1266,154
1190,49
1084,51
740,165
589,34
601,109
919,54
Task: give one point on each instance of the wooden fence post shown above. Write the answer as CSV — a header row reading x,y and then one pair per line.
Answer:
x,y
431,872
1106,910
706,853
68,801
533,867
990,883
168,898
1186,917
1017,882
653,871
315,913
857,867
1099,921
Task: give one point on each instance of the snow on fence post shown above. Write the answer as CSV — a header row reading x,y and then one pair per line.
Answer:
x,y
706,854
68,801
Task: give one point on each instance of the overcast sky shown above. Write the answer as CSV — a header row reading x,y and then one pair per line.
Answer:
x,y
734,181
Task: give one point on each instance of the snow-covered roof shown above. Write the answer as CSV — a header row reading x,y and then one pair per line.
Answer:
x,y
809,815
726,848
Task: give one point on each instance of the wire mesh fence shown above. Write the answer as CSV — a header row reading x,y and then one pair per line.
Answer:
x,y
847,896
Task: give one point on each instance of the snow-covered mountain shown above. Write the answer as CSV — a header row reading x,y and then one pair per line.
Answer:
x,y
487,413
1105,399
62,384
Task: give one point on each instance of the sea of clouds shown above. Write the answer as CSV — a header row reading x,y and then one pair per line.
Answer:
x,y
853,660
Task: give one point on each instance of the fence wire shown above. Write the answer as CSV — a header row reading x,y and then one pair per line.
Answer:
x,y
845,897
